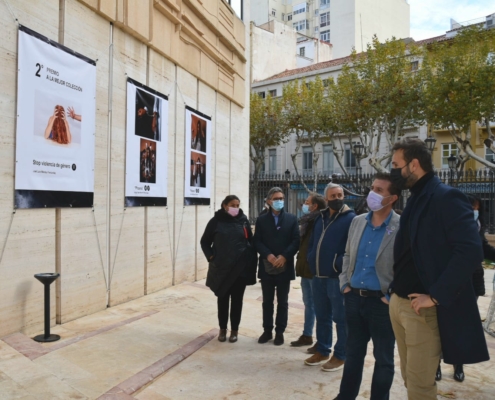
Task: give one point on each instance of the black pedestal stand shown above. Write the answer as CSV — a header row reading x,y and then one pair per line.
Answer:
x,y
46,280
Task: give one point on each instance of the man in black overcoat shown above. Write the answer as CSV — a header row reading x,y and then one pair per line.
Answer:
x,y
436,251
276,239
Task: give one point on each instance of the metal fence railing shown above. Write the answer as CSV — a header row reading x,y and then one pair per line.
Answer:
x,y
480,183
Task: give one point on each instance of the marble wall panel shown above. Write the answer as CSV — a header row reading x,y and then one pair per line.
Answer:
x,y
127,227
30,245
83,269
207,105
185,217
222,135
159,222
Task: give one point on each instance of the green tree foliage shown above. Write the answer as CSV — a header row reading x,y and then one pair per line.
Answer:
x,y
302,108
459,80
267,128
377,96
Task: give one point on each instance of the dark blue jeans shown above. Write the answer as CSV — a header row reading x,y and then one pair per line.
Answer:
x,y
309,309
367,317
329,305
268,288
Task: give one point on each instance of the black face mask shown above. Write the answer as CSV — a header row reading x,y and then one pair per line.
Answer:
x,y
336,204
397,179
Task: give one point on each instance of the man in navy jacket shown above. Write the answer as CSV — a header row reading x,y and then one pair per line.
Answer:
x,y
276,238
325,254
436,251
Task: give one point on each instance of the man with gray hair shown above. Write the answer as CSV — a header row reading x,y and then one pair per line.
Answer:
x,y
325,255
276,239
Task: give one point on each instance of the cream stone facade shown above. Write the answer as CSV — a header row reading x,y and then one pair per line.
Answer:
x,y
196,52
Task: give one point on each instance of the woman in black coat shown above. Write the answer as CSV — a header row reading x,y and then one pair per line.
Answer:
x,y
226,244
478,275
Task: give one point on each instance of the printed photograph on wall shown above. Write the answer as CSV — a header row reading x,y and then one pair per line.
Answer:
x,y
147,164
55,134
147,119
146,146
198,169
197,174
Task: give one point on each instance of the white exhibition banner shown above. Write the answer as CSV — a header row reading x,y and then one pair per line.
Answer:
x,y
55,139
197,184
146,146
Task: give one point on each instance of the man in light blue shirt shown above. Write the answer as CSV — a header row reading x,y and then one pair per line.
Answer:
x,y
366,274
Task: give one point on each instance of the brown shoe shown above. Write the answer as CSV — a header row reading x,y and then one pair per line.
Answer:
x,y
222,335
302,341
333,365
312,349
233,336
316,359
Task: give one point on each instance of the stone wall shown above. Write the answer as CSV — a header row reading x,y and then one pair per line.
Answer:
x,y
195,52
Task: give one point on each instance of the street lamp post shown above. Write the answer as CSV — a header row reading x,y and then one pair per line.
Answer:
x,y
452,160
287,178
430,141
358,151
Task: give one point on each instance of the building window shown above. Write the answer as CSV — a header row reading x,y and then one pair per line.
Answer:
x,y
302,51
489,155
326,82
274,12
307,160
283,17
261,94
273,93
299,8
325,36
317,12
316,29
324,3
237,6
272,161
349,159
327,159
325,19
414,66
301,25
448,150
289,17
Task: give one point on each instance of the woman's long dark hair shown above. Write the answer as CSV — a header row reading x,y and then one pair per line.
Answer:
x,y
59,130
481,216
229,198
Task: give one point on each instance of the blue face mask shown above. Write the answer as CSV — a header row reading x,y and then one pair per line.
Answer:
x,y
277,205
305,209
476,214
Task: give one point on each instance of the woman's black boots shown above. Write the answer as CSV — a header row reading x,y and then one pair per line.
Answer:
x,y
458,373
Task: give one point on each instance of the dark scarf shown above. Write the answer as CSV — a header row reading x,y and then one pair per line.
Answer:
x,y
306,219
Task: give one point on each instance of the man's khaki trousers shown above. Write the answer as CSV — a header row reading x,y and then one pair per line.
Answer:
x,y
418,341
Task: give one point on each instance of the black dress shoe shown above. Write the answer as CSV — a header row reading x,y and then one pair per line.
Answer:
x,y
458,373
279,339
438,375
222,335
233,337
265,337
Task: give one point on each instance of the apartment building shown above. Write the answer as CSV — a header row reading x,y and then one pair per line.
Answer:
x,y
346,24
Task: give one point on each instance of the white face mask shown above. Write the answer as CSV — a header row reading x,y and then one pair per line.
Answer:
x,y
374,201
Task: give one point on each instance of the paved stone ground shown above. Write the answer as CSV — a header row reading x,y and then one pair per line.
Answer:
x,y
163,346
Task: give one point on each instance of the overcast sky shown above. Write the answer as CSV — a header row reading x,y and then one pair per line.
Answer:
x,y
431,18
